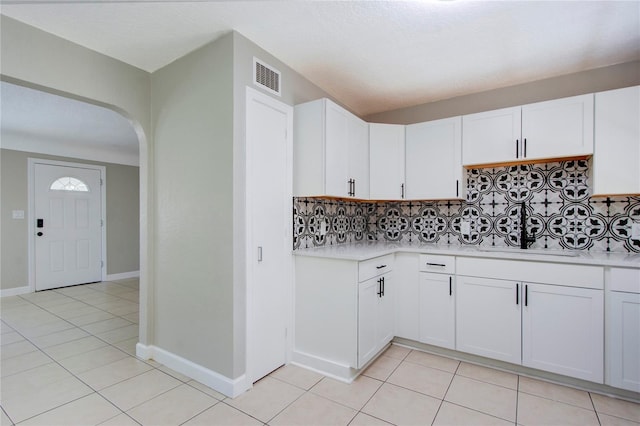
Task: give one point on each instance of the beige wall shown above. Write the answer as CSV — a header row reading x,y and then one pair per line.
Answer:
x,y
198,105
192,106
596,80
123,215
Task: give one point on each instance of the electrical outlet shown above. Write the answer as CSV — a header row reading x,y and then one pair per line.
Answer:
x,y
465,228
635,231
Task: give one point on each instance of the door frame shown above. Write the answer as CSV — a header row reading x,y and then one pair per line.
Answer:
x,y
31,240
252,94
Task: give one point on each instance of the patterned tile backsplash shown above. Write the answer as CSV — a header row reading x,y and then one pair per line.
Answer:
x,y
560,212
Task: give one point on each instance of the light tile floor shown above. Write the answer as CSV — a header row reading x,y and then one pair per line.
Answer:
x,y
68,358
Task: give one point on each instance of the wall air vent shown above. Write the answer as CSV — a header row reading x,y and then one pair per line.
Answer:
x,y
266,77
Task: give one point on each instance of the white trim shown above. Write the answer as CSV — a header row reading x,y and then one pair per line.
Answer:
x,y
123,276
31,208
216,381
7,292
250,95
341,372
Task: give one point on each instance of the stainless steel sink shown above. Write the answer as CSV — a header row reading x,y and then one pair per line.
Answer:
x,y
546,252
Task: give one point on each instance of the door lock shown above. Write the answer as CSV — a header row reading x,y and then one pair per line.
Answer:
x,y
39,234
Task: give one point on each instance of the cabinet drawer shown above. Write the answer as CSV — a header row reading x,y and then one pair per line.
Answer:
x,y
623,279
437,263
373,267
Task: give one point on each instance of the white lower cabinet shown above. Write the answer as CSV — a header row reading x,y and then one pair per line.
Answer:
x,y
488,318
341,321
375,316
437,310
563,329
550,327
437,300
623,329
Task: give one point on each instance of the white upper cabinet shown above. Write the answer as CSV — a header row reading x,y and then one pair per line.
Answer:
x,y
542,131
386,161
491,137
558,128
617,142
331,151
433,152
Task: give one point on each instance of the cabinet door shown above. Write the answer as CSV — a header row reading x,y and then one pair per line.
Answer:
x,y
386,161
358,155
367,319
437,310
385,315
491,137
623,331
562,330
434,159
617,142
488,318
558,128
336,151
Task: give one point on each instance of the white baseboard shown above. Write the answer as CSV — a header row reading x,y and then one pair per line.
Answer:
x,y
15,291
123,276
216,381
340,372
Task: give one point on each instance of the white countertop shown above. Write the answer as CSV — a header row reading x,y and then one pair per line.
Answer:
x,y
369,250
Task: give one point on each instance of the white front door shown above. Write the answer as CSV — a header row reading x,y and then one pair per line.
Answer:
x,y
68,228
269,210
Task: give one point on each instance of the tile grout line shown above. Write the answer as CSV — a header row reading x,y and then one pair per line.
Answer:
x,y
71,373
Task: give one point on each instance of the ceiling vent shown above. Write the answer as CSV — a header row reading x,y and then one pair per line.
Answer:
x,y
266,77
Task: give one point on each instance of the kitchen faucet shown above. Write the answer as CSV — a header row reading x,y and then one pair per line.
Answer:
x,y
525,241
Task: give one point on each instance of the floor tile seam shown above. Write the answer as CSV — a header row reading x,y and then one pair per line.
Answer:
x,y
64,319
196,415
371,415
344,405
278,413
445,394
428,366
292,384
224,401
74,400
22,354
143,402
559,400
515,422
192,380
28,369
104,331
415,391
105,365
487,383
609,414
7,414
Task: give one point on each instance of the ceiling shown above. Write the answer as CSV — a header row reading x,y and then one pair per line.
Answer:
x,y
372,56
36,121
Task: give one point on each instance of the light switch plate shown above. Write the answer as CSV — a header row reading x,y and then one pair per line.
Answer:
x,y
635,231
17,214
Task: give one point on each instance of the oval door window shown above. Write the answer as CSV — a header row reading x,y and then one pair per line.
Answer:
x,y
68,183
